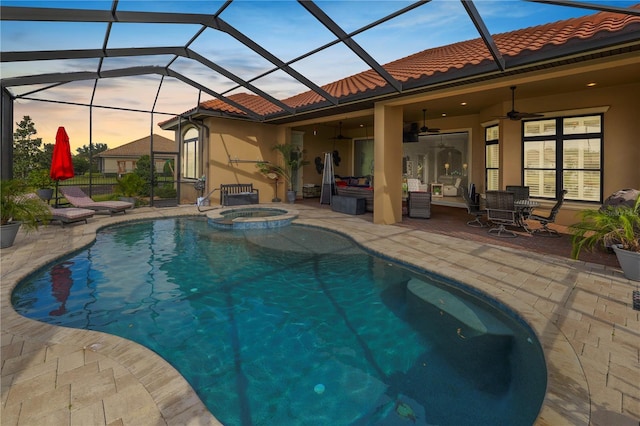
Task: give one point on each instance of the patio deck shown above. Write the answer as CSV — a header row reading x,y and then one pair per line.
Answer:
x,y
581,311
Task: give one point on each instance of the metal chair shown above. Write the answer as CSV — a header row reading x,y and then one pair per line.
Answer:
x,y
502,212
546,220
473,208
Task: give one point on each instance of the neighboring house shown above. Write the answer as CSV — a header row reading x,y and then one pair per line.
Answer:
x,y
123,159
580,76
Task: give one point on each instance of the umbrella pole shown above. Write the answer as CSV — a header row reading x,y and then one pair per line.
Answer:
x,y
56,204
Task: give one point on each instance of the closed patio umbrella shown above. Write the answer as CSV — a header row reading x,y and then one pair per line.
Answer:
x,y
61,163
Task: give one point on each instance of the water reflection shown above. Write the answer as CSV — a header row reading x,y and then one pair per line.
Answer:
x,y
61,283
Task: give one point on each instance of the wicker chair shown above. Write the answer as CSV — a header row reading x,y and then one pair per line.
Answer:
x,y
546,220
419,204
473,208
519,192
502,212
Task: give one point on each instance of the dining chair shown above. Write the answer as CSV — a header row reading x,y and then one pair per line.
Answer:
x,y
544,230
473,208
501,211
519,192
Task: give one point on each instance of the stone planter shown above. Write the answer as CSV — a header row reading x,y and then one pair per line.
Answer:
x,y
291,197
629,262
8,234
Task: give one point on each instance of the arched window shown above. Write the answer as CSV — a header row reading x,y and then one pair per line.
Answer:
x,y
190,154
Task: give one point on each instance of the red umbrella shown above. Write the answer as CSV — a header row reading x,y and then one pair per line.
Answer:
x,y
61,164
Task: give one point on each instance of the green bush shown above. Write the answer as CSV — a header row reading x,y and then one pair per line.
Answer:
x,y
40,179
130,185
166,191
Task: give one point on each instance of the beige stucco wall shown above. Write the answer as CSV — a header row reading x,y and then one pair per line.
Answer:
x,y
253,141
621,148
110,165
246,142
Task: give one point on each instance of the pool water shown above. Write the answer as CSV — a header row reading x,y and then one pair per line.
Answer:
x,y
296,326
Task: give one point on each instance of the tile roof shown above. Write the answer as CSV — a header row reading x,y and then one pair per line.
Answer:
x,y
141,147
448,59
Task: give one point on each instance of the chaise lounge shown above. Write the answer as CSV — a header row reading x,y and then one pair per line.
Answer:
x,y
79,199
66,215
70,215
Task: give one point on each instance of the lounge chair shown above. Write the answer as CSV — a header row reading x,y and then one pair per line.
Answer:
x,y
70,215
79,199
66,215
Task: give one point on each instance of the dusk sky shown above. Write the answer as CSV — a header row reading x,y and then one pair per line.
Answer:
x,y
283,27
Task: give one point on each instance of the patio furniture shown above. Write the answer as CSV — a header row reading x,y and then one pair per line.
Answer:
x,y
452,190
551,218
66,215
502,212
237,194
79,199
348,205
419,204
70,215
473,208
354,191
519,192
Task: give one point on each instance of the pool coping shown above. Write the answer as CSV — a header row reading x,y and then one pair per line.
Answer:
x,y
579,311
265,222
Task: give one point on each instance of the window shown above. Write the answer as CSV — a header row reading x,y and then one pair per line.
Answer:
x,y
564,153
190,157
492,158
363,157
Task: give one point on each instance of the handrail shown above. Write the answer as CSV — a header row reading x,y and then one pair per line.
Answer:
x,y
206,197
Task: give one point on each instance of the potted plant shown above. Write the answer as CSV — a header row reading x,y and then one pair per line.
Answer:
x,y
42,182
129,187
16,209
292,159
615,227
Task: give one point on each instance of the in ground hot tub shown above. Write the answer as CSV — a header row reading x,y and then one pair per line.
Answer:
x,y
251,218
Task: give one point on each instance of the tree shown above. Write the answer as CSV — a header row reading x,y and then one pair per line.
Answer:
x,y
80,165
97,149
143,169
46,156
84,155
27,155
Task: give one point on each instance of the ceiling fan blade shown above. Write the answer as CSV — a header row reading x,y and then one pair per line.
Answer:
x,y
340,136
517,115
530,115
424,129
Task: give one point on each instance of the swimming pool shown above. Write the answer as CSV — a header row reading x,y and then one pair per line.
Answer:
x,y
311,330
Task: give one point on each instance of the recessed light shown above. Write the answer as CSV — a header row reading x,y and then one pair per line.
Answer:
x,y
463,103
444,114
591,84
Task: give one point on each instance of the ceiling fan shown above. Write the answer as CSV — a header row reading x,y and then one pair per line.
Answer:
x,y
340,136
424,129
515,115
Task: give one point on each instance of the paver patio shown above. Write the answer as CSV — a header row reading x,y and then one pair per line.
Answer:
x,y
582,313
